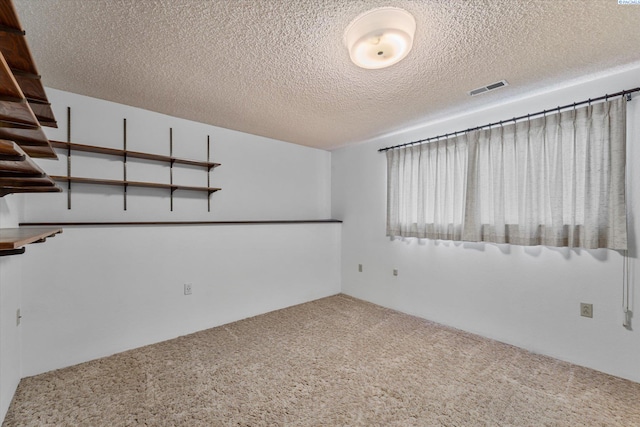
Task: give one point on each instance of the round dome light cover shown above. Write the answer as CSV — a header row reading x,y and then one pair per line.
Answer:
x,y
380,37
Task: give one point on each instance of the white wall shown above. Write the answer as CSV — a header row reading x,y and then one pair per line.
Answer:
x,y
528,297
10,279
261,178
94,291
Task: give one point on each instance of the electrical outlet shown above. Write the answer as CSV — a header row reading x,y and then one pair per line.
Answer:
x,y
187,288
586,310
18,317
395,271
360,268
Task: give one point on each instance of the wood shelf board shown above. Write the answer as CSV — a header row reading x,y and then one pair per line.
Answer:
x,y
14,44
43,181
44,121
16,109
10,149
14,238
115,182
22,176
40,152
31,88
8,85
208,165
8,15
20,111
37,98
19,124
26,167
191,188
15,49
44,114
87,148
26,137
16,169
14,190
132,154
12,157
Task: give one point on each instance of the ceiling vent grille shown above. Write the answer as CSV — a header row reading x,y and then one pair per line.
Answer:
x,y
487,88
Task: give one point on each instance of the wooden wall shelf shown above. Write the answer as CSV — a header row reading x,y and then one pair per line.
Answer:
x,y
132,154
17,121
115,182
13,240
125,154
20,174
23,108
14,48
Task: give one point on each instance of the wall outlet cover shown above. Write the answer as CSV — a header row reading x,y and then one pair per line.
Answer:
x,y
586,310
187,289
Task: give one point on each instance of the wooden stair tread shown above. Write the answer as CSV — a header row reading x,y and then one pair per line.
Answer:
x,y
21,174
13,105
14,47
14,109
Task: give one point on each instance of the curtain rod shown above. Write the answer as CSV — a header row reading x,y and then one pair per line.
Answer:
x,y
526,116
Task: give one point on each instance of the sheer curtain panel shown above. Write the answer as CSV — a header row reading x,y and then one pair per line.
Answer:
x,y
426,190
556,180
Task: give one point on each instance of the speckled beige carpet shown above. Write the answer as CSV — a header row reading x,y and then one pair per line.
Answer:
x,y
332,362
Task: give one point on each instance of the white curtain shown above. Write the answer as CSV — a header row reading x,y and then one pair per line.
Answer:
x,y
556,180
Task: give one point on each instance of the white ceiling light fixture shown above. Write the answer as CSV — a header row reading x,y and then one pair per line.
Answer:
x,y
380,37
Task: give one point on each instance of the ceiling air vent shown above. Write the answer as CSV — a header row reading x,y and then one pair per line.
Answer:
x,y
487,88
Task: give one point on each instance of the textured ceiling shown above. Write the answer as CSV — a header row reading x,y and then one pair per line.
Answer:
x,y
278,68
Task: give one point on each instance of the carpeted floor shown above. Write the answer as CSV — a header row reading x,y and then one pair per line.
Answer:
x,y
332,362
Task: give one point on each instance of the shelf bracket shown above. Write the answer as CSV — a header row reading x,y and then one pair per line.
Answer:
x,y
11,30
17,125
38,101
27,75
171,162
12,157
124,160
13,99
209,173
171,196
69,158
7,252
21,174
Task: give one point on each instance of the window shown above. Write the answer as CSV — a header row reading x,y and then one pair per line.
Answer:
x,y
556,180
